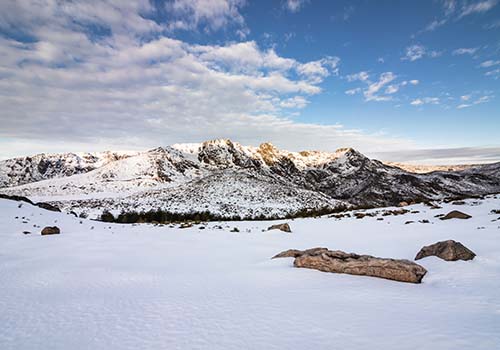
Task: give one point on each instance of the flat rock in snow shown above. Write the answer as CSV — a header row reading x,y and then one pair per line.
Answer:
x,y
337,261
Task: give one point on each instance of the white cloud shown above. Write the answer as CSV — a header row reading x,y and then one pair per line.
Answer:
x,y
316,71
294,102
425,100
477,7
391,89
374,90
465,51
453,12
489,63
294,5
483,99
464,155
361,76
210,14
371,93
134,87
477,101
353,91
495,73
416,52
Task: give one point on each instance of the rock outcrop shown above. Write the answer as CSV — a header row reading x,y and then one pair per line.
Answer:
x,y
455,214
338,261
446,250
50,230
282,227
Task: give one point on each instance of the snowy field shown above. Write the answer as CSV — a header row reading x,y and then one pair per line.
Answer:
x,y
109,286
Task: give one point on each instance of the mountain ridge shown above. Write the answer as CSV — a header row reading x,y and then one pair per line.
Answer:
x,y
226,178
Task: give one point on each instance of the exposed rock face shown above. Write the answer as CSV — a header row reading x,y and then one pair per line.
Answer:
x,y
446,250
51,230
338,261
48,206
282,227
455,214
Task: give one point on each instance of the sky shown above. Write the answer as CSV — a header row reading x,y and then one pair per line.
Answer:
x,y
407,81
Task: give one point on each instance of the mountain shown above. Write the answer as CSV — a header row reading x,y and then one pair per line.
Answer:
x,y
228,179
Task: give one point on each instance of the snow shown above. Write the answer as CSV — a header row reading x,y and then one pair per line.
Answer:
x,y
150,287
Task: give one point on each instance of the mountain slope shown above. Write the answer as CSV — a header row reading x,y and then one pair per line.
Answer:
x,y
229,179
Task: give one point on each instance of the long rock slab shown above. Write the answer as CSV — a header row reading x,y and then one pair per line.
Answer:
x,y
337,261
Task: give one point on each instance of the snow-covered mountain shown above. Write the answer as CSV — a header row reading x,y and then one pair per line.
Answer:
x,y
228,179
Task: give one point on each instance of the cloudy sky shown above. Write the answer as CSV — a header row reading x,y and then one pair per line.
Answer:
x,y
399,80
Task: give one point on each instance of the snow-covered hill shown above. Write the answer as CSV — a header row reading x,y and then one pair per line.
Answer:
x,y
229,179
110,286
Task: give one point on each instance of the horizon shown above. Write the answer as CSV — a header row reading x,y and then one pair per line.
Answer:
x,y
318,75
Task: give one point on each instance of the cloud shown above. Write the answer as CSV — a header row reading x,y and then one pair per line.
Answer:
x,y
391,89
495,73
361,76
316,71
294,102
478,7
371,93
425,100
489,63
212,15
294,5
442,156
476,101
416,52
492,25
130,85
453,12
353,91
465,51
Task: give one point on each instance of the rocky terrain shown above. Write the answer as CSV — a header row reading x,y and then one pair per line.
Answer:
x,y
228,179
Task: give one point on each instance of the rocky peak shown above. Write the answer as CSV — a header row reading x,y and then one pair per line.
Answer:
x,y
269,153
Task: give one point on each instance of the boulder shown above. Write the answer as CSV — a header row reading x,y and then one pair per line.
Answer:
x,y
50,230
338,261
282,227
455,214
446,250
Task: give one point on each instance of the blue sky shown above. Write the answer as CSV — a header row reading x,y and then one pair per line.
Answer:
x,y
398,80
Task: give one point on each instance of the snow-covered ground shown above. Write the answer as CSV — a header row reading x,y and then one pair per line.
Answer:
x,y
109,286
